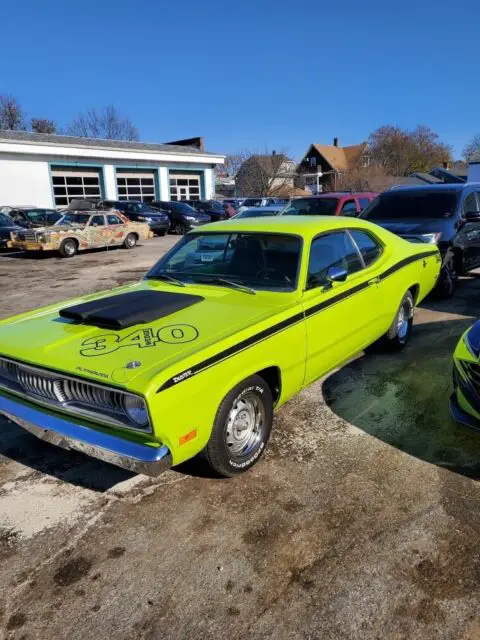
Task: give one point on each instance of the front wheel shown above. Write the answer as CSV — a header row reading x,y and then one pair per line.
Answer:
x,y
397,336
447,281
179,229
68,248
242,428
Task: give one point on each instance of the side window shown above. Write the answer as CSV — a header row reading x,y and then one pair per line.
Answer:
x,y
369,249
350,206
331,250
112,219
364,202
470,203
97,221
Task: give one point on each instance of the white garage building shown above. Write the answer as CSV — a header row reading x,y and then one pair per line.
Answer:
x,y
49,170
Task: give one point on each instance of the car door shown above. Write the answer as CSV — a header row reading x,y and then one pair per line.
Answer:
x,y
117,227
99,235
468,235
341,317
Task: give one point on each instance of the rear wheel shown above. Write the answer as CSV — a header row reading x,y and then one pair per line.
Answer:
x,y
179,228
397,336
242,428
130,241
447,281
68,248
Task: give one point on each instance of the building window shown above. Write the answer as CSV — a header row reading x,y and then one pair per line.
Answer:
x,y
136,185
313,162
365,161
73,183
184,187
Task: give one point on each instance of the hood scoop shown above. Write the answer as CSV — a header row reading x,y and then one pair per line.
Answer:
x,y
128,309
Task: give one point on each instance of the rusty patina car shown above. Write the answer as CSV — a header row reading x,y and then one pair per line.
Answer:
x,y
77,231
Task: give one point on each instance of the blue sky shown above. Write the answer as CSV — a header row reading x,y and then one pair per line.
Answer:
x,y
250,74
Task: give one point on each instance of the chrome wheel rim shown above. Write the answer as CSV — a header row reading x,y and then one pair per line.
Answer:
x,y
130,241
245,424
69,248
403,320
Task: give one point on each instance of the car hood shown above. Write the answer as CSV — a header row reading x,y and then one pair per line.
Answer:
x,y
412,227
13,229
133,356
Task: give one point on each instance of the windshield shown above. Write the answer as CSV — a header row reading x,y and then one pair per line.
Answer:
x,y
5,221
256,213
311,207
259,260
137,207
74,218
183,207
401,205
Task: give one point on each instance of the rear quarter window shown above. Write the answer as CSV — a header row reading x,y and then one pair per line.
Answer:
x,y
369,248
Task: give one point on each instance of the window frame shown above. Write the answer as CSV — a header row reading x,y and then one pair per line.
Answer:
x,y
374,238
97,215
466,197
348,201
317,237
113,215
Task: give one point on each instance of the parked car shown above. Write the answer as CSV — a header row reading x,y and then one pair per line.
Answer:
x,y
465,399
329,204
248,203
35,217
85,230
7,227
182,216
137,211
258,212
198,355
447,215
212,208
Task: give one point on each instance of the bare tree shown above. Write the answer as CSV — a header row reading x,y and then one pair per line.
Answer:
x,y
42,125
263,174
12,116
373,178
472,149
106,123
400,151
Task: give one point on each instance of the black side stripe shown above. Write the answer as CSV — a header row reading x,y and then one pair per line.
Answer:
x,y
288,322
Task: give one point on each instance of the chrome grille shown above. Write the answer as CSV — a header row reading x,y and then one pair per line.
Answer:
x,y
88,399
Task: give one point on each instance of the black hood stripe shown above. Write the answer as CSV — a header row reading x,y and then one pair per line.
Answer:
x,y
284,324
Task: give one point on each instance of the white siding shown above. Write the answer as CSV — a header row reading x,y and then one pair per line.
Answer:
x,y
209,184
24,182
110,182
164,186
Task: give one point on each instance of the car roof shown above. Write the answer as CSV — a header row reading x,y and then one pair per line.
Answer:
x,y
306,226
270,207
432,187
339,194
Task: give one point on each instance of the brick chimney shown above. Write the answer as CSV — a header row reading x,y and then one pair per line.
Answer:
x,y
335,142
446,164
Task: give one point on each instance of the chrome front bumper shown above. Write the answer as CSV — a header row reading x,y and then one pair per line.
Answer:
x,y
63,433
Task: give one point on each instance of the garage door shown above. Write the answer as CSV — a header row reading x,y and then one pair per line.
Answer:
x,y
71,183
184,186
136,185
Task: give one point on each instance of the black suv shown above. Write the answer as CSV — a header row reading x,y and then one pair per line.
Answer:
x,y
183,217
7,226
137,211
31,218
212,208
447,215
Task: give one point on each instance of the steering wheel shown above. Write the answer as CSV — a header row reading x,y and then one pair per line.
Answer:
x,y
267,270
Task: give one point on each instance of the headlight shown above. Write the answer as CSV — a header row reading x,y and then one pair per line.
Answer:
x,y
42,237
431,238
190,218
136,410
144,218
472,340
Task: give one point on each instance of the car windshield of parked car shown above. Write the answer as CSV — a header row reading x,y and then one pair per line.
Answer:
x,y
311,207
183,207
258,260
401,205
5,221
36,215
136,207
74,218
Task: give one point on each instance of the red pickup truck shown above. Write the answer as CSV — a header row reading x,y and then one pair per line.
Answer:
x,y
330,204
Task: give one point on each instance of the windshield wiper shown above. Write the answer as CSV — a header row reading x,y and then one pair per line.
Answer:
x,y
226,282
167,278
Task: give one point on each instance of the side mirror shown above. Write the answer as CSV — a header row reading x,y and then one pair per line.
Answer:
x,y
472,216
337,274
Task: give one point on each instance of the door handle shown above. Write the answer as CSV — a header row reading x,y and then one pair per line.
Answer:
x,y
375,280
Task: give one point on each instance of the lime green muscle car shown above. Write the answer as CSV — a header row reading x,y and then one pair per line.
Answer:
x,y
465,399
236,319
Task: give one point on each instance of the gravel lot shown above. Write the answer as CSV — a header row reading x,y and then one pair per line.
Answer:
x,y
362,521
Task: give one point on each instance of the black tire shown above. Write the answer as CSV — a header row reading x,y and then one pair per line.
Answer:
x,y
68,248
179,229
447,281
163,232
130,241
249,403
397,336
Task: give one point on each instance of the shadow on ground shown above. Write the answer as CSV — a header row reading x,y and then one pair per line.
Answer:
x,y
69,466
403,399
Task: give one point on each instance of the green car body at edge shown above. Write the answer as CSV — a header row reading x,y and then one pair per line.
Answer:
x,y
154,394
